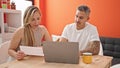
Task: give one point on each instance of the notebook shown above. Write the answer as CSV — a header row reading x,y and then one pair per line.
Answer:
x,y
61,52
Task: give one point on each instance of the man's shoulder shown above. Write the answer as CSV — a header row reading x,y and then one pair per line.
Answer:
x,y
70,25
90,26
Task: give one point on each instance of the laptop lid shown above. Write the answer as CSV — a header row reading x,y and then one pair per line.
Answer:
x,y
61,52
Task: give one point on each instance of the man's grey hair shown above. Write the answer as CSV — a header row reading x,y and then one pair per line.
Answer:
x,y
84,8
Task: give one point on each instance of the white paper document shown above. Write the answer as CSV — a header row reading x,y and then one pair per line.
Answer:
x,y
37,51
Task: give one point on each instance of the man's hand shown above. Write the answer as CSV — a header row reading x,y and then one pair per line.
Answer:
x,y
63,39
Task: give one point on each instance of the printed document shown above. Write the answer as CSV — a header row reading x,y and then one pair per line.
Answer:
x,y
37,51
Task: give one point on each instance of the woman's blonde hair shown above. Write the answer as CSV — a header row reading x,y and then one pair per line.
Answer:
x,y
29,39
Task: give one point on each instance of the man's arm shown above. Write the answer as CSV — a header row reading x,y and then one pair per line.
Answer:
x,y
92,47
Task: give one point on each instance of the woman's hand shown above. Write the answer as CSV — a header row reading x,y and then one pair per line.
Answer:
x,y
20,55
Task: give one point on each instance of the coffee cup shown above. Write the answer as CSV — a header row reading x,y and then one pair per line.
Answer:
x,y
87,57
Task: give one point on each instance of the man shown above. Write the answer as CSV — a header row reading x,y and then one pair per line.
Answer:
x,y
83,32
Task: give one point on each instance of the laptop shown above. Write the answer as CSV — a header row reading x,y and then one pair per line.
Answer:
x,y
61,52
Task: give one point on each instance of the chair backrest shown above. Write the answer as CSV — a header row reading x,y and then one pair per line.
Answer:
x,y
111,46
4,51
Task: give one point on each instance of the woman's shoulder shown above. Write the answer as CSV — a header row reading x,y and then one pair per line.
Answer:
x,y
42,27
19,30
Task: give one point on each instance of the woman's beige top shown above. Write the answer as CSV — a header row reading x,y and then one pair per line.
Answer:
x,y
39,33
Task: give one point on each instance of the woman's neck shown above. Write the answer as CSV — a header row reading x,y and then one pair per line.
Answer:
x,y
35,29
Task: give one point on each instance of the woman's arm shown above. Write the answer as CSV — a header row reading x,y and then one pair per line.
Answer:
x,y
47,36
15,43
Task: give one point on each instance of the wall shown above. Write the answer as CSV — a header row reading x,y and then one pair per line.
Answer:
x,y
43,11
105,15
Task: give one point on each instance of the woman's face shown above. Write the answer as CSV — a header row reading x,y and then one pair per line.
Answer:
x,y
35,20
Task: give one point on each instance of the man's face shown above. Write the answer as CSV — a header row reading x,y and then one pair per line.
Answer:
x,y
81,17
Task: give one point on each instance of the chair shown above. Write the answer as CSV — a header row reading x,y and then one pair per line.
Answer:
x,y
4,51
111,47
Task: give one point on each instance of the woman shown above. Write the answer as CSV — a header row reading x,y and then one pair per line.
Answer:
x,y
31,34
